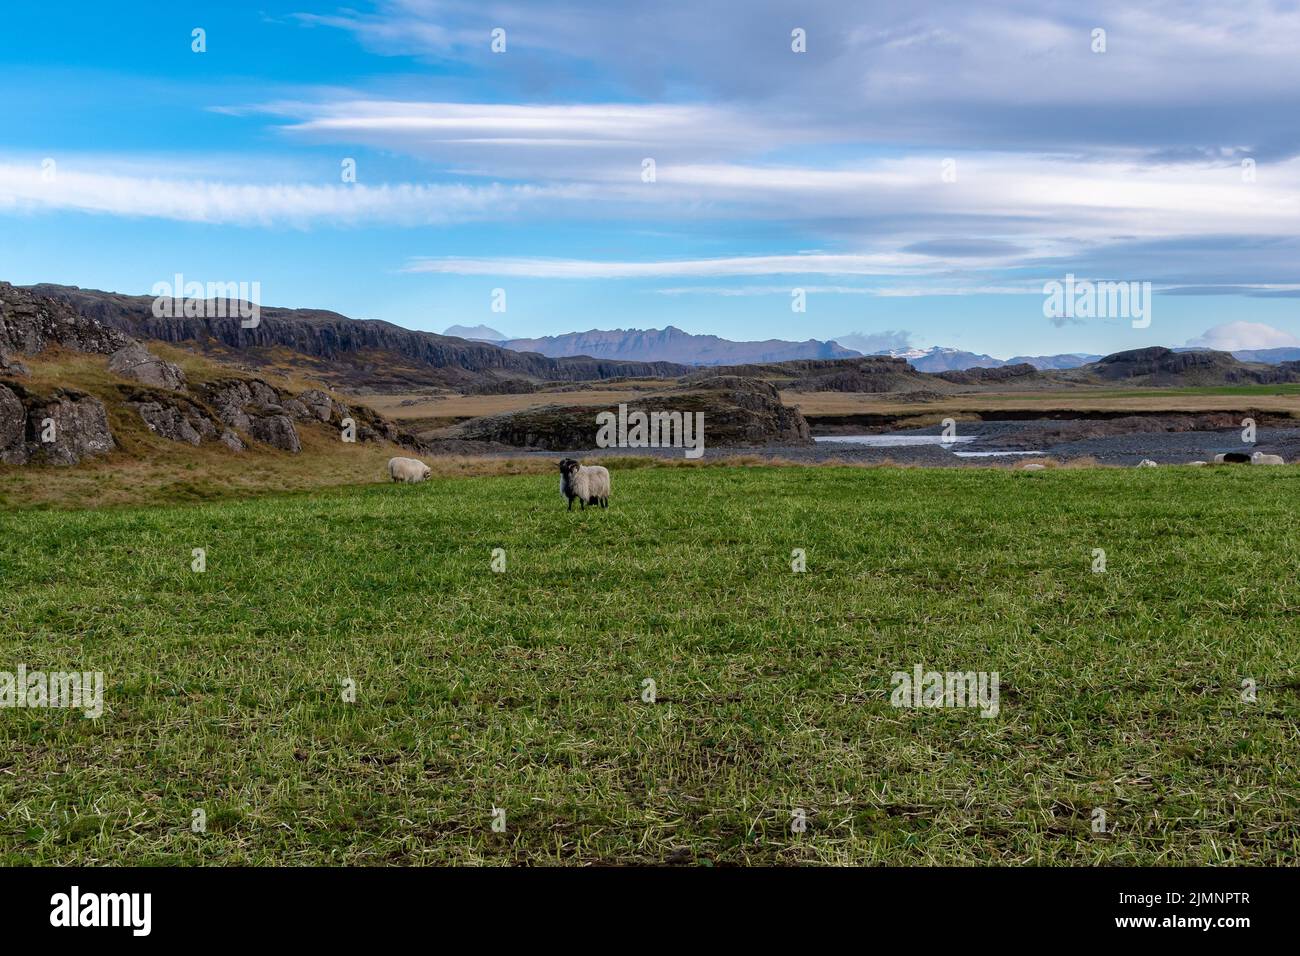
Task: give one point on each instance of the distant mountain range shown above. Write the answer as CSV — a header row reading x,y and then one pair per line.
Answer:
x,y
941,359
671,344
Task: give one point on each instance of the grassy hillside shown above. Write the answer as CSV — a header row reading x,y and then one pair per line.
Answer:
x,y
522,690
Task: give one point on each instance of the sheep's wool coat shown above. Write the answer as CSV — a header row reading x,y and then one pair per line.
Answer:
x,y
588,484
407,469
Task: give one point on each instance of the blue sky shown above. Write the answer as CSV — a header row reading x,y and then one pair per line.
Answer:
x,y
921,170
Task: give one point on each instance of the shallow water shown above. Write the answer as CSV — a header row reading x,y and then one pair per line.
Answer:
x,y
895,441
904,441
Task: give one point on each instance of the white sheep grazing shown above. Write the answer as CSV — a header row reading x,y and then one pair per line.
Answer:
x,y
587,483
1259,458
1197,464
408,469
1032,466
1147,463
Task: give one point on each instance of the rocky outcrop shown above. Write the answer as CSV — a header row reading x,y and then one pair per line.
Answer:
x,y
878,374
316,404
30,323
738,412
136,362
747,411
60,428
1158,366
175,418
1023,372
276,431
259,410
230,398
66,426
253,406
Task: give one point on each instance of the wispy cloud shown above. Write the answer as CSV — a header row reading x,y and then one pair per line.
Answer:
x,y
809,264
426,126
999,74
139,194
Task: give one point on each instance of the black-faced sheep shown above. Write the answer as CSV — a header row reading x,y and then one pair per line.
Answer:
x,y
589,484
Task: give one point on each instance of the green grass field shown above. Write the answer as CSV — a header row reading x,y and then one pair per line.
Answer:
x,y
523,690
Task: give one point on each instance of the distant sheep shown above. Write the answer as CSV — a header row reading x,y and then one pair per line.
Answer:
x,y
1259,458
1147,463
589,484
1197,464
1232,458
408,469
1032,466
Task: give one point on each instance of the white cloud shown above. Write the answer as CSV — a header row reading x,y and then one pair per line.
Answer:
x,y
137,193
425,126
1236,336
707,162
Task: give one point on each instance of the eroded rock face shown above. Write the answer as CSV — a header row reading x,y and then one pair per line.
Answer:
x,y
255,407
30,322
136,362
231,398
58,429
277,431
178,420
319,405
13,424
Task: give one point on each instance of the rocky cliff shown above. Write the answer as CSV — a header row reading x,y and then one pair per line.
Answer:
x,y
333,337
40,424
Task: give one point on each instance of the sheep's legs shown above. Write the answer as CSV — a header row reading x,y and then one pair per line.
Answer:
x,y
570,504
